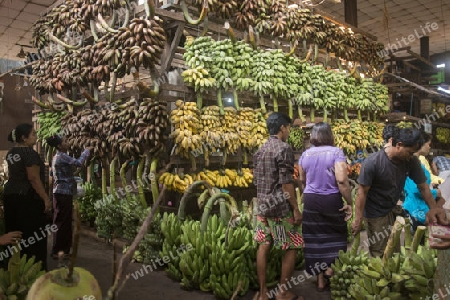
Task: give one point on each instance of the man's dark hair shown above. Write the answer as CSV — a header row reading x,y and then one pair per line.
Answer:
x,y
409,137
425,137
54,140
321,135
275,121
389,131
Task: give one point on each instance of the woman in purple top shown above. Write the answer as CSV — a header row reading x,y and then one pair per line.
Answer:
x,y
323,176
64,187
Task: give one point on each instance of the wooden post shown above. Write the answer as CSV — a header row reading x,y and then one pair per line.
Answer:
x,y
351,12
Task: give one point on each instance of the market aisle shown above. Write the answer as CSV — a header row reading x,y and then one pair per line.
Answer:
x,y
97,256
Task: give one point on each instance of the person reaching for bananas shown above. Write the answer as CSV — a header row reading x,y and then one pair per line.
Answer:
x,y
64,188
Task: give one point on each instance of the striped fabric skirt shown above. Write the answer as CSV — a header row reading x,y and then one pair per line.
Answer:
x,y
324,230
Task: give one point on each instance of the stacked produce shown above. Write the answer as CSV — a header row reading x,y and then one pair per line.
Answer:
x,y
356,135
443,135
297,23
296,136
119,46
235,67
404,275
86,203
193,264
187,128
244,126
259,133
171,230
229,267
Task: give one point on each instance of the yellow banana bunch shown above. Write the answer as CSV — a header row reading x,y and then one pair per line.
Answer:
x,y
222,179
175,182
244,125
228,127
259,133
244,178
185,119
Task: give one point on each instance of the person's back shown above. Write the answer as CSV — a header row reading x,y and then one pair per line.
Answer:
x,y
441,166
318,163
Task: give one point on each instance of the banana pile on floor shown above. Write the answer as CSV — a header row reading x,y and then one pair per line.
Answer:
x,y
346,266
229,267
222,259
404,275
171,230
186,121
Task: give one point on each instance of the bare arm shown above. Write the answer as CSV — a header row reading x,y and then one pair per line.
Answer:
x,y
342,181
36,183
426,194
361,197
301,178
434,168
289,191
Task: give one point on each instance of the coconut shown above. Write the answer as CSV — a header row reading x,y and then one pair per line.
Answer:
x,y
54,285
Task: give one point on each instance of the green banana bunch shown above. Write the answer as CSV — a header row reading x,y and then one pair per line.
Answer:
x,y
346,268
191,264
296,137
49,124
228,264
151,244
171,230
86,203
404,124
20,276
380,279
419,270
109,217
443,135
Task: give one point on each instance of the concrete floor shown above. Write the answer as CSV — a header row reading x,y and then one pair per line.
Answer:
x,y
96,256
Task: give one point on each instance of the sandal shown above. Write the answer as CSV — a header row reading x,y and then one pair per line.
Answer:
x,y
326,287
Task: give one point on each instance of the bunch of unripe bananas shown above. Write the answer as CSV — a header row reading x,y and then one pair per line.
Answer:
x,y
187,126
22,272
194,264
443,135
228,262
419,269
177,182
296,136
171,230
346,266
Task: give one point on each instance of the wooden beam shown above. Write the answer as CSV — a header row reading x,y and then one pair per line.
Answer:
x,y
169,52
426,61
411,66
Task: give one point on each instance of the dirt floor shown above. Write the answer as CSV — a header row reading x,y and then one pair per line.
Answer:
x,y
96,256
